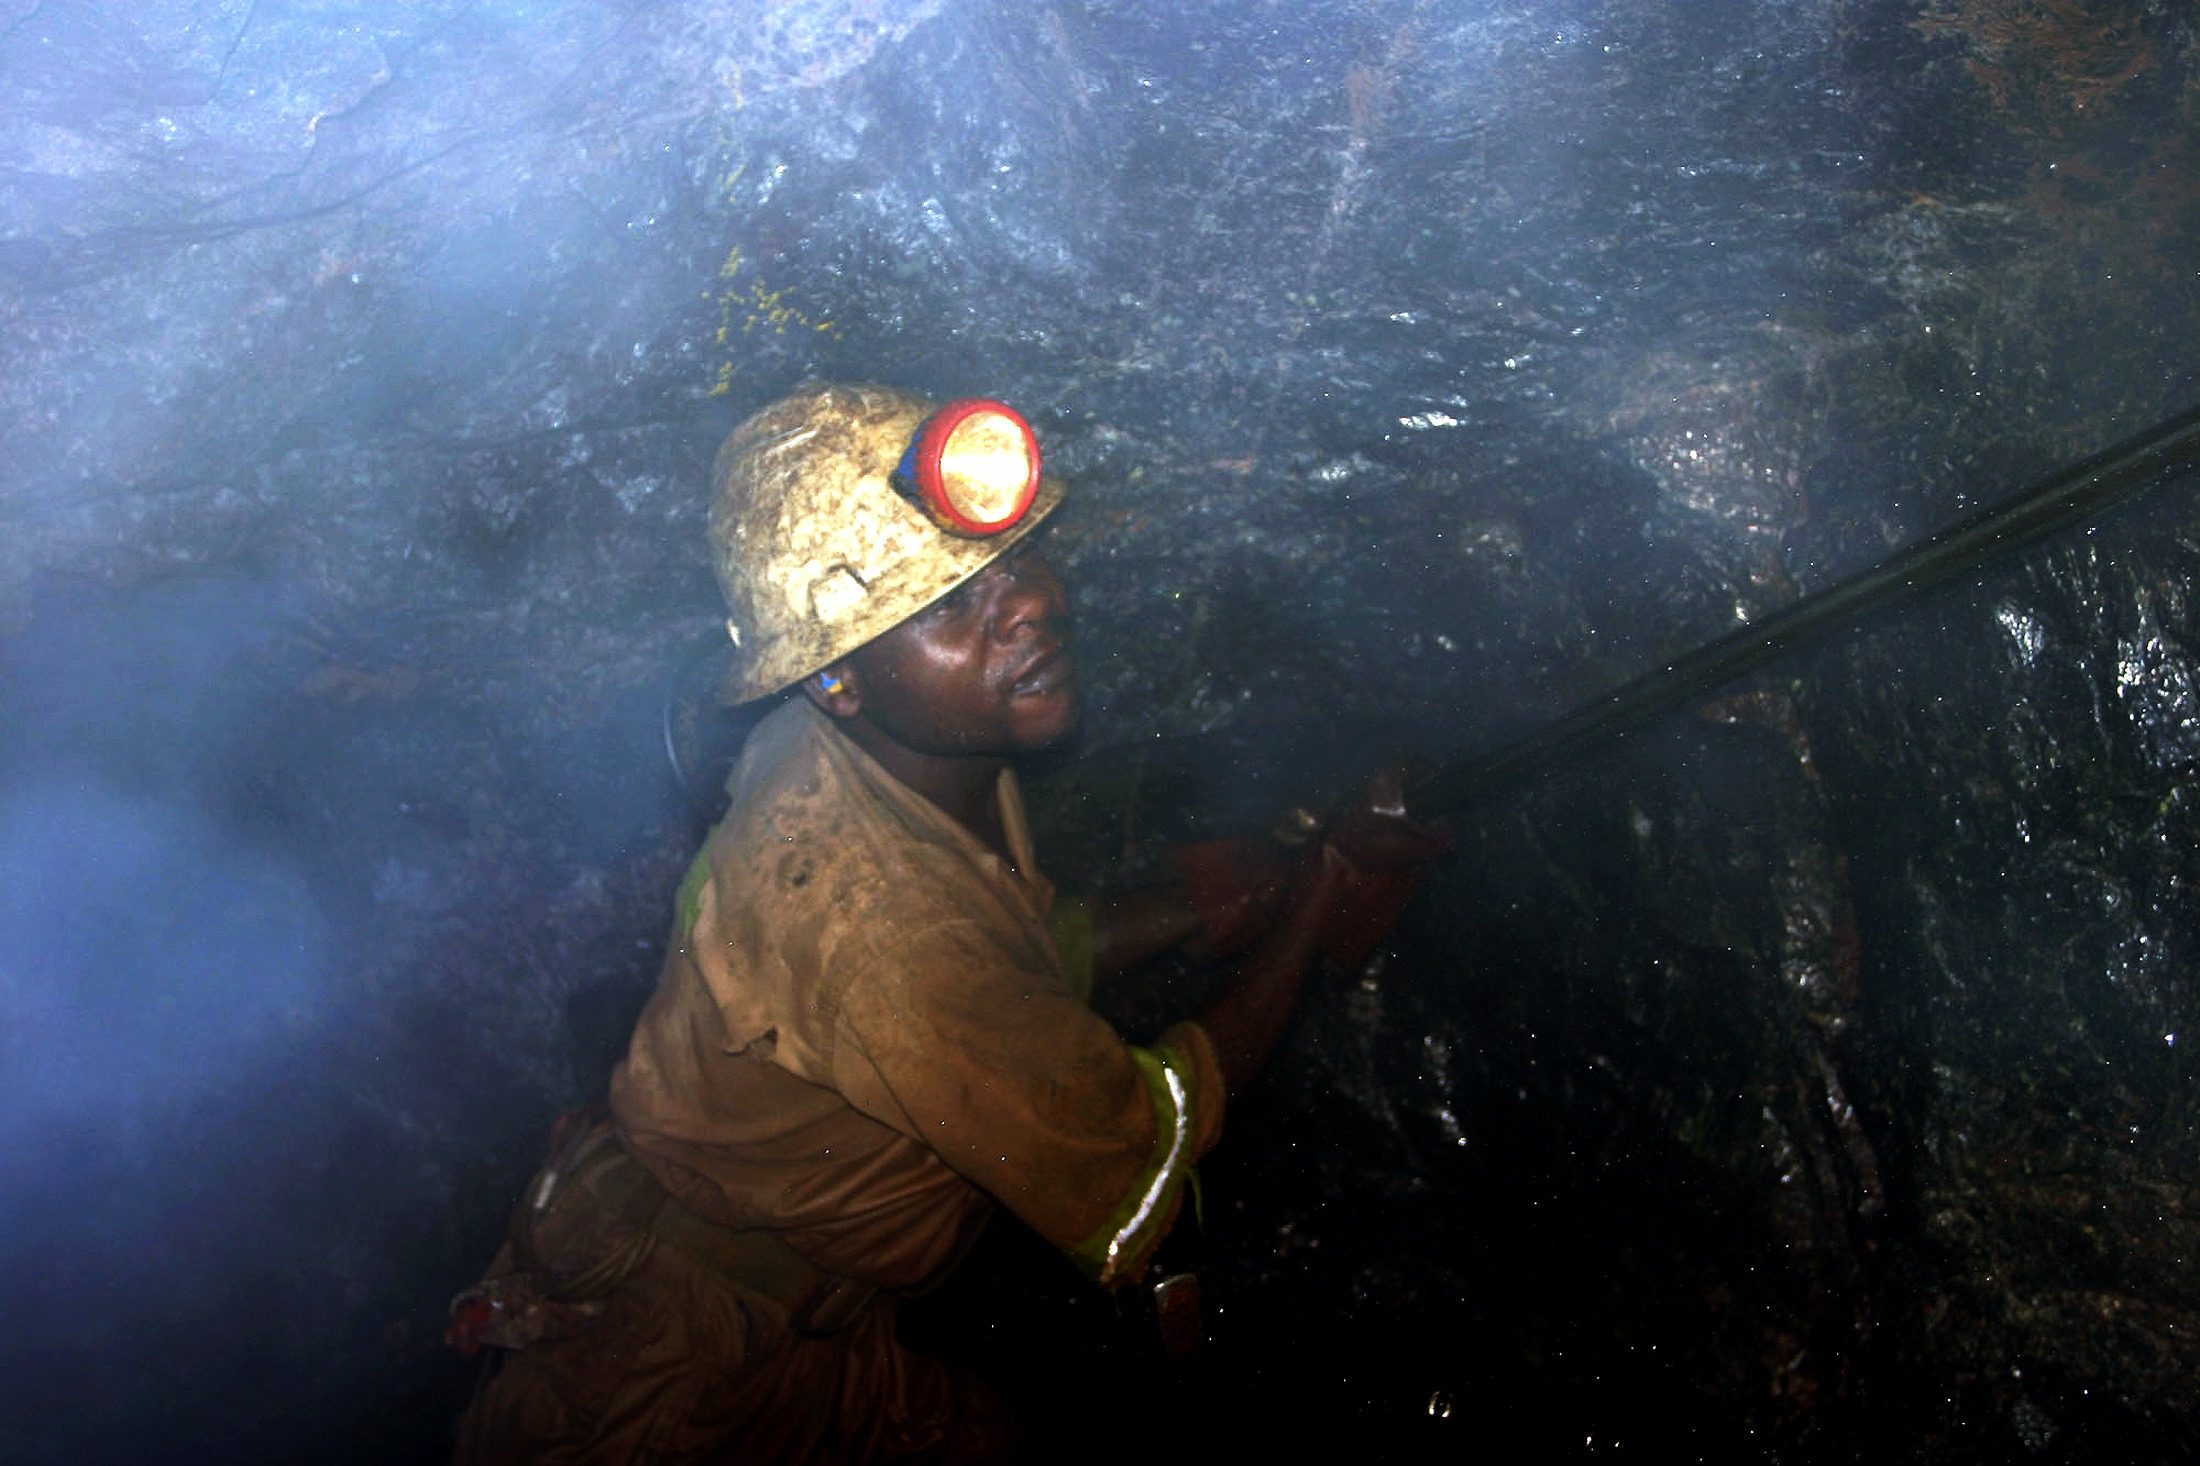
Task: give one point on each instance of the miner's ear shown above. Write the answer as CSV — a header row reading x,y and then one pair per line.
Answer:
x,y
834,690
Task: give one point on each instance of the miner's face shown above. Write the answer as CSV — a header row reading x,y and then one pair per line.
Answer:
x,y
985,670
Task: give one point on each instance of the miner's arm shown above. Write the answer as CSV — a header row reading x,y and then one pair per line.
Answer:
x,y
1334,896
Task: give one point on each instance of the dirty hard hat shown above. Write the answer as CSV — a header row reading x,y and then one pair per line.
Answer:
x,y
839,512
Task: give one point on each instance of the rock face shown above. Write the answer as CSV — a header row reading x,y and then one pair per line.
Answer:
x,y
1808,1075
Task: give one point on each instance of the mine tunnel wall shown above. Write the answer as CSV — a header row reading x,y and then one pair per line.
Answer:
x,y
1812,1048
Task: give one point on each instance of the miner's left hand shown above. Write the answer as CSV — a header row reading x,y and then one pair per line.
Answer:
x,y
1236,888
1383,851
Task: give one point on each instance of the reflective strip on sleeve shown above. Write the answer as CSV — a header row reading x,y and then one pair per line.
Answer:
x,y
689,903
1120,1247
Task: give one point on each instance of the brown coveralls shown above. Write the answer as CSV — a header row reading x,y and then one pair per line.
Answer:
x,y
864,1035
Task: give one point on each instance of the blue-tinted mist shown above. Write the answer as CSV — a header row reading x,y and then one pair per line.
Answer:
x,y
167,974
156,938
245,855
144,954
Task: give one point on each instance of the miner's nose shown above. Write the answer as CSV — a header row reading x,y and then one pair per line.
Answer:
x,y
1030,594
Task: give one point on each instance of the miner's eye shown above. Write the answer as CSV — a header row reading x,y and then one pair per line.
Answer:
x,y
949,604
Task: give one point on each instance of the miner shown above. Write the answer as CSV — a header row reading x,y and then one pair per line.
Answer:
x,y
872,1028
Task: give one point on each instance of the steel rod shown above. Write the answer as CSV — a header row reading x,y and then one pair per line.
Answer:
x,y
2081,491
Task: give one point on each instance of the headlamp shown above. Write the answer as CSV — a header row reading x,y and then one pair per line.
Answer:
x,y
973,466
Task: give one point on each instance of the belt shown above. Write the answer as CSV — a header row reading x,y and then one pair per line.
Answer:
x,y
760,1260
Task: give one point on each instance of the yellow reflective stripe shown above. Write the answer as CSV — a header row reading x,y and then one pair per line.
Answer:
x,y
1124,1240
1164,1175
689,903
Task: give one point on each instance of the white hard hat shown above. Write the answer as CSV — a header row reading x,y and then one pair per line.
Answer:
x,y
823,538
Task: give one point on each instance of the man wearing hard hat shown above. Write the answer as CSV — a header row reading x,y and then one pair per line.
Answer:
x,y
872,1025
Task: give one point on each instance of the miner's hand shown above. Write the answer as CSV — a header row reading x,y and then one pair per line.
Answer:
x,y
1236,887
1380,851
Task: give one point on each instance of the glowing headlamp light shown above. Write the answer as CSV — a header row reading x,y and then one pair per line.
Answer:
x,y
973,466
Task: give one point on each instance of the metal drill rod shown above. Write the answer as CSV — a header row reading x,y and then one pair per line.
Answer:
x,y
2081,491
